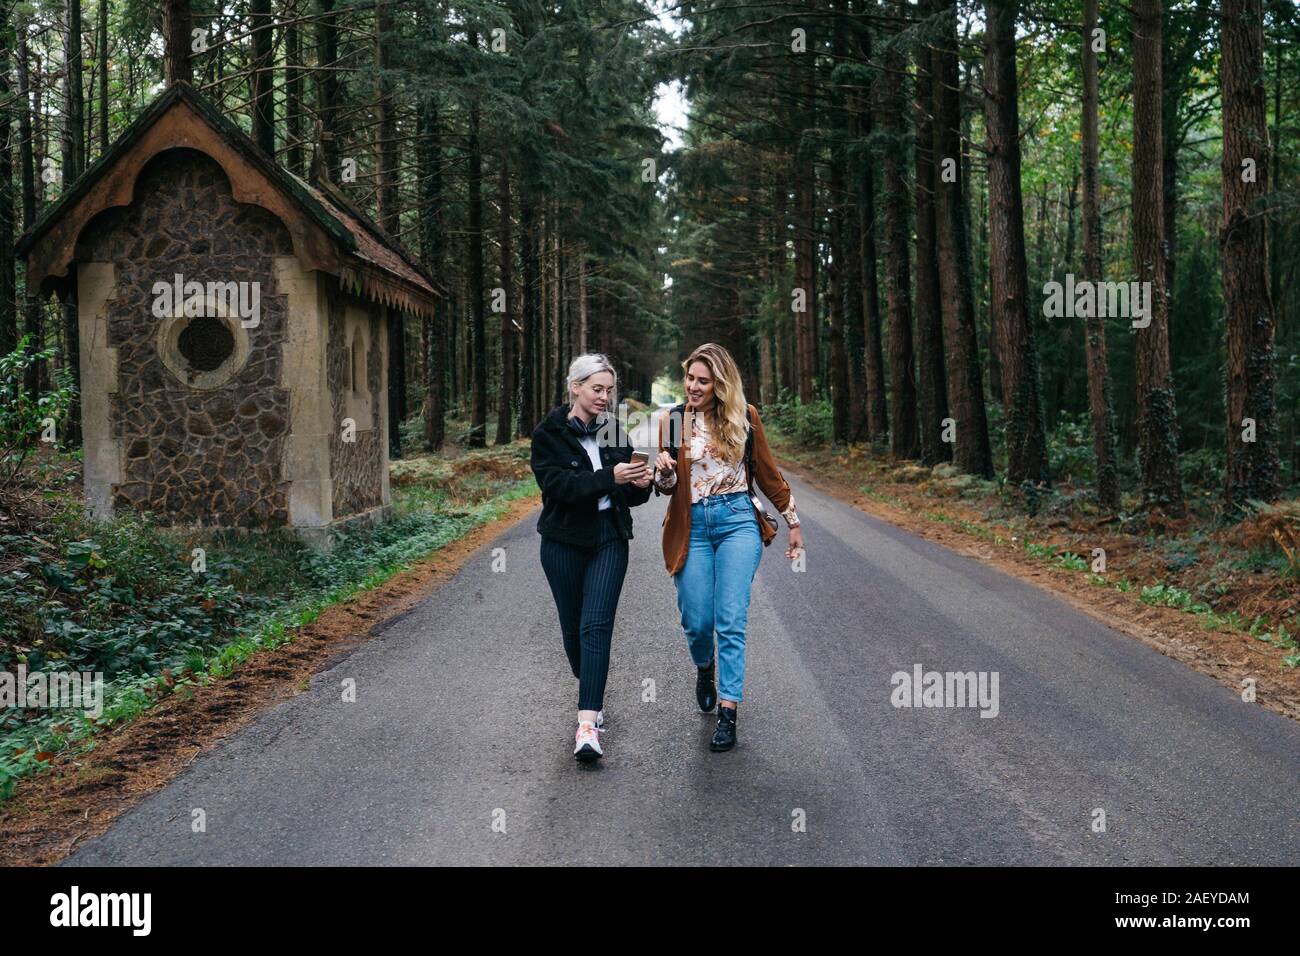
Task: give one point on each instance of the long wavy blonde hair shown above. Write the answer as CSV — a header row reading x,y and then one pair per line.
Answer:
x,y
726,418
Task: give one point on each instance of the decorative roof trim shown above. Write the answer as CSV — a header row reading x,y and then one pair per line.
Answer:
x,y
180,118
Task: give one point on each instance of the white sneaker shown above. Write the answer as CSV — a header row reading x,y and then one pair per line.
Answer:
x,y
600,720
586,742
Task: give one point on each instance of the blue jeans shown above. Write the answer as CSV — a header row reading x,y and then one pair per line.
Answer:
x,y
713,586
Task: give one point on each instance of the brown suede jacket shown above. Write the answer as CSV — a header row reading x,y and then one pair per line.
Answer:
x,y
677,523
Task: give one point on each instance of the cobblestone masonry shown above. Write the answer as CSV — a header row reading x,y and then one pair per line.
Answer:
x,y
213,456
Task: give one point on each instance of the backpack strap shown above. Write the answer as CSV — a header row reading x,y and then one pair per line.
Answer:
x,y
749,449
678,412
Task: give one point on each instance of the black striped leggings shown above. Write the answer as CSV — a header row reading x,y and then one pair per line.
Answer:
x,y
586,583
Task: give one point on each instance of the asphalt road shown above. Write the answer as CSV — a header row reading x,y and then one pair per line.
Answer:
x,y
459,746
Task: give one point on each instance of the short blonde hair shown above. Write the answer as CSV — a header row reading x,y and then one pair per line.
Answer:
x,y
585,366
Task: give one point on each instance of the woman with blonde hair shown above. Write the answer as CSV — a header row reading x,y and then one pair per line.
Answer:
x,y
712,450
582,461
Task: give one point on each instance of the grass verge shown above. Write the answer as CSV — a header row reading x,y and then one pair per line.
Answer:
x,y
134,601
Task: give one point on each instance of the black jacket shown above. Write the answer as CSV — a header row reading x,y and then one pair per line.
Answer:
x,y
571,488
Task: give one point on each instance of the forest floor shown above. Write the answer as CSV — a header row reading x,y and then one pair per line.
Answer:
x,y
1222,598
185,663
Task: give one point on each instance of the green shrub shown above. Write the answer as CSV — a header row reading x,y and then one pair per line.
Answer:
x,y
22,416
808,425
1202,468
1069,449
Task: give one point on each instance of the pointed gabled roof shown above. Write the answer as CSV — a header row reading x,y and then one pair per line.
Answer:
x,y
328,231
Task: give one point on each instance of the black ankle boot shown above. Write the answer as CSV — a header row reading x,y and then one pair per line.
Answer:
x,y
724,738
706,694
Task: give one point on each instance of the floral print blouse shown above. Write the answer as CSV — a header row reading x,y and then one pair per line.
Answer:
x,y
711,474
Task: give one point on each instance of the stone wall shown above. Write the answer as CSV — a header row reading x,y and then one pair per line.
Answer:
x,y
356,467
209,456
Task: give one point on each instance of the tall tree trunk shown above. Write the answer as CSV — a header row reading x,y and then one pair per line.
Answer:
x,y
477,345
972,452
1274,246
1157,416
932,387
872,337
327,86
434,241
529,413
546,367
293,100
103,76
73,156
1102,408
782,317
396,379
839,359
854,315
8,279
177,23
386,157
805,235
557,316
506,394
1008,281
1253,468
582,302
262,26
388,212
32,324
903,439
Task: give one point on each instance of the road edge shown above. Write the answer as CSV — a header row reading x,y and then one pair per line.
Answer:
x,y
1163,629
83,793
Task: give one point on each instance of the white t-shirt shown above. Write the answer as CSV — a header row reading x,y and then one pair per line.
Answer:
x,y
593,452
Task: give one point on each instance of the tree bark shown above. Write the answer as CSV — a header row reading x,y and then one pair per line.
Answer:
x,y
32,324
529,415
293,99
506,396
932,387
1008,281
839,359
1100,405
262,26
971,452
903,439
177,23
1157,415
73,158
805,242
872,336
103,77
854,317
1253,467
8,279
327,86
477,346
582,302
435,360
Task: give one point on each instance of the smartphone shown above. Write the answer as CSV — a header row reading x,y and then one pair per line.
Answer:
x,y
640,457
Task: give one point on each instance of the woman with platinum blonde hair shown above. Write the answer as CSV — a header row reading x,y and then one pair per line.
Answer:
x,y
712,451
582,460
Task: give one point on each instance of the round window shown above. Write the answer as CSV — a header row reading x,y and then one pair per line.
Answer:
x,y
204,351
206,343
